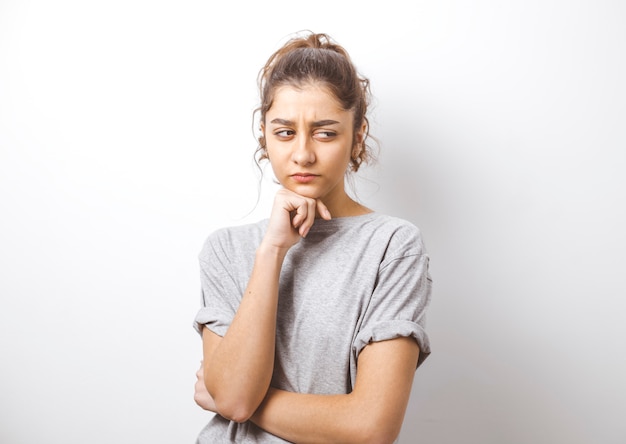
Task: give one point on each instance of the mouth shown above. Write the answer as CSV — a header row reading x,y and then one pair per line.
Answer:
x,y
304,177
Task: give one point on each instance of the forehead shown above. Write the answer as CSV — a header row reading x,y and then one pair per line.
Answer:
x,y
311,102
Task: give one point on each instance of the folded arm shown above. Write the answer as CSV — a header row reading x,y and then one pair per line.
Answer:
x,y
373,412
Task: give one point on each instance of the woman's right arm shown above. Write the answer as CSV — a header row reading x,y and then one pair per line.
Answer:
x,y
238,366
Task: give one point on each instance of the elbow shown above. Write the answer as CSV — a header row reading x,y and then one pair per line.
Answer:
x,y
377,437
233,407
234,404
237,412
377,432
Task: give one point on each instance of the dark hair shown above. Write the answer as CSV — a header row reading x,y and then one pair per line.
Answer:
x,y
317,58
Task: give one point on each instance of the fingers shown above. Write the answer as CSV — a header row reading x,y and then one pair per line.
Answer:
x,y
323,210
292,217
305,216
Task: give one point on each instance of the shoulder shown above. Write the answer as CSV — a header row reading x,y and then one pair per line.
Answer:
x,y
401,235
401,239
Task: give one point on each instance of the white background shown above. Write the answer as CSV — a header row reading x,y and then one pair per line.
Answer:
x,y
126,138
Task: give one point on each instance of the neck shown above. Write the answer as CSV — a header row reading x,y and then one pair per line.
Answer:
x,y
345,206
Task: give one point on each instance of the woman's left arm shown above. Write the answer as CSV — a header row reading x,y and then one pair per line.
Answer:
x,y
373,412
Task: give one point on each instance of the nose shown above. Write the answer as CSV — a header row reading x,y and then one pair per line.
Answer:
x,y
303,153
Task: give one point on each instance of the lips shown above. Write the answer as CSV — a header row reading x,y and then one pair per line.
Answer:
x,y
304,177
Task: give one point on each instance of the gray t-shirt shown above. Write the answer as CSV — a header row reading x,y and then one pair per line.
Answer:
x,y
351,281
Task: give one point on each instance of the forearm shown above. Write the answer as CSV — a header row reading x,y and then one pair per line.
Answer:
x,y
372,413
238,371
306,418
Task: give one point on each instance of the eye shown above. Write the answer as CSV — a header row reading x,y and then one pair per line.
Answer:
x,y
325,134
284,133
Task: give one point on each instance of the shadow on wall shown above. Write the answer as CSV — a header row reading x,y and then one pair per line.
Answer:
x,y
471,385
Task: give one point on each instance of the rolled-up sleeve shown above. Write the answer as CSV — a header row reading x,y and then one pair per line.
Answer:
x,y
220,293
398,304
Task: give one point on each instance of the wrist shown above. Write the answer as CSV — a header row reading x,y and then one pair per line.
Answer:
x,y
268,251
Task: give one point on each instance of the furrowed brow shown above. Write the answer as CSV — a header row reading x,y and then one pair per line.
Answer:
x,y
316,124
282,122
324,123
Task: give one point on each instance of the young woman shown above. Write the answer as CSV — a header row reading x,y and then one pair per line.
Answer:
x,y
312,320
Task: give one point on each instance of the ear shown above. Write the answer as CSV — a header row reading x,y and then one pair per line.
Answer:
x,y
262,149
262,129
359,138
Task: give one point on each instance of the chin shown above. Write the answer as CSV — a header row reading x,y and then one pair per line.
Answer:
x,y
308,193
305,191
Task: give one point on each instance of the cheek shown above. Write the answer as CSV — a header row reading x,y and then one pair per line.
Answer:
x,y
276,161
341,157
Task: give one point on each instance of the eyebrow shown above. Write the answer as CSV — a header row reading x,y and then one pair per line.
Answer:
x,y
316,124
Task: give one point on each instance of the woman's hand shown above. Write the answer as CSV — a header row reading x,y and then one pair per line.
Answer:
x,y
292,217
201,394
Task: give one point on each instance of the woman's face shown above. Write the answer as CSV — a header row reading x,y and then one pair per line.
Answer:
x,y
309,139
